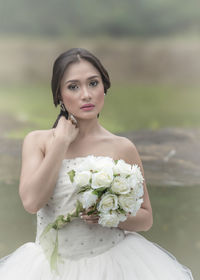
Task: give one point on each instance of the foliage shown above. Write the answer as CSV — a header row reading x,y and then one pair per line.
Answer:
x,y
92,17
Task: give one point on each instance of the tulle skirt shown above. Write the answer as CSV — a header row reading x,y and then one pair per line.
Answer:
x,y
133,258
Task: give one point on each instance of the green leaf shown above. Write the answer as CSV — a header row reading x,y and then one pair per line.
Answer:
x,y
101,189
95,192
71,174
54,255
121,211
84,188
98,193
46,230
91,211
110,191
79,207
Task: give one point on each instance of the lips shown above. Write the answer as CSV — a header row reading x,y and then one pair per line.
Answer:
x,y
87,105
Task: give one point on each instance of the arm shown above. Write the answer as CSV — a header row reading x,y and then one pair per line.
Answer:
x,y
38,171
143,220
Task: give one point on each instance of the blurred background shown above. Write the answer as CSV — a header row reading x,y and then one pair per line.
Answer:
x,y
151,50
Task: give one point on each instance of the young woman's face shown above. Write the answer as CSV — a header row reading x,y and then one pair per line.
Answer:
x,y
82,84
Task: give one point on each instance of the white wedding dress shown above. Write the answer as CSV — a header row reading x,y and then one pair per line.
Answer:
x,y
89,251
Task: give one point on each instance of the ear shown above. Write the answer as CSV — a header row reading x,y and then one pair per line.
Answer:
x,y
59,97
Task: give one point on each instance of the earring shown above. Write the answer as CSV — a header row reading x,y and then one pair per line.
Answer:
x,y
62,106
72,118
104,93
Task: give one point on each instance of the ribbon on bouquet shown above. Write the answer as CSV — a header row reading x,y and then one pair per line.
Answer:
x,y
49,237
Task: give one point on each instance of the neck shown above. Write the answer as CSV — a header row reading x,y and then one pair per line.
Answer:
x,y
87,128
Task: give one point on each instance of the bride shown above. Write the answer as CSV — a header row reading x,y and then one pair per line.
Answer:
x,y
90,251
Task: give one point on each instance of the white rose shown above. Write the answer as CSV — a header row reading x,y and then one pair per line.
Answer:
x,y
136,207
102,178
136,181
87,198
94,163
86,164
137,173
120,185
136,186
82,178
127,201
109,219
122,168
139,190
103,163
108,202
122,217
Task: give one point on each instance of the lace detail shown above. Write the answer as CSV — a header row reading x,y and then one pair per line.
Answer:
x,y
83,157
67,160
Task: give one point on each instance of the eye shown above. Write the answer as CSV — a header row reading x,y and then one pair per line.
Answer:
x,y
94,83
72,86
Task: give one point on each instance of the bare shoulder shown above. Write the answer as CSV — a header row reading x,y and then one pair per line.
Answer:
x,y
127,150
123,147
38,135
37,138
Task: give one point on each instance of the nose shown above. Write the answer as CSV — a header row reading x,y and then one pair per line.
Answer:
x,y
86,93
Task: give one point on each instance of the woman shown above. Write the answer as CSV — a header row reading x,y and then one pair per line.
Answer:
x,y
88,250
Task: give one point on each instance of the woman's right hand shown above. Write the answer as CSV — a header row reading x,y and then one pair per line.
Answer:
x,y
66,130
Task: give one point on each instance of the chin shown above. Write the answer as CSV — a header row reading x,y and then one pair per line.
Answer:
x,y
88,117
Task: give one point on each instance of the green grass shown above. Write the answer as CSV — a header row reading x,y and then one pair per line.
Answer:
x,y
127,107
155,106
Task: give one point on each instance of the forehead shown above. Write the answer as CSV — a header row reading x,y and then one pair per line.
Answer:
x,y
80,70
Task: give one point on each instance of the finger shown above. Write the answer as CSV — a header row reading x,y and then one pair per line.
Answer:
x,y
89,218
86,216
89,222
53,132
62,118
61,121
92,221
92,218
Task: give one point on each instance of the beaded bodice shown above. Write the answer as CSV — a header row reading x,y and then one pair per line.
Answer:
x,y
78,238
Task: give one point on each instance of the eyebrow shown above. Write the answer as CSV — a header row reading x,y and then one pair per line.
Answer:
x,y
89,78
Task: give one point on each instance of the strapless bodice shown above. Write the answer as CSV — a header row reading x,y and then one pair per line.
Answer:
x,y
78,238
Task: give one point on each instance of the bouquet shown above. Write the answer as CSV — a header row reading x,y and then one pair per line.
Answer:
x,y
111,188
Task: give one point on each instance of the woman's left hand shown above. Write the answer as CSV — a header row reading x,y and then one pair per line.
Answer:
x,y
93,218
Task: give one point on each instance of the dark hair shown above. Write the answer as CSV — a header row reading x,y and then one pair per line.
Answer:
x,y
60,66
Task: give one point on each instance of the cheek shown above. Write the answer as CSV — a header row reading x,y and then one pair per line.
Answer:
x,y
100,95
100,98
69,101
